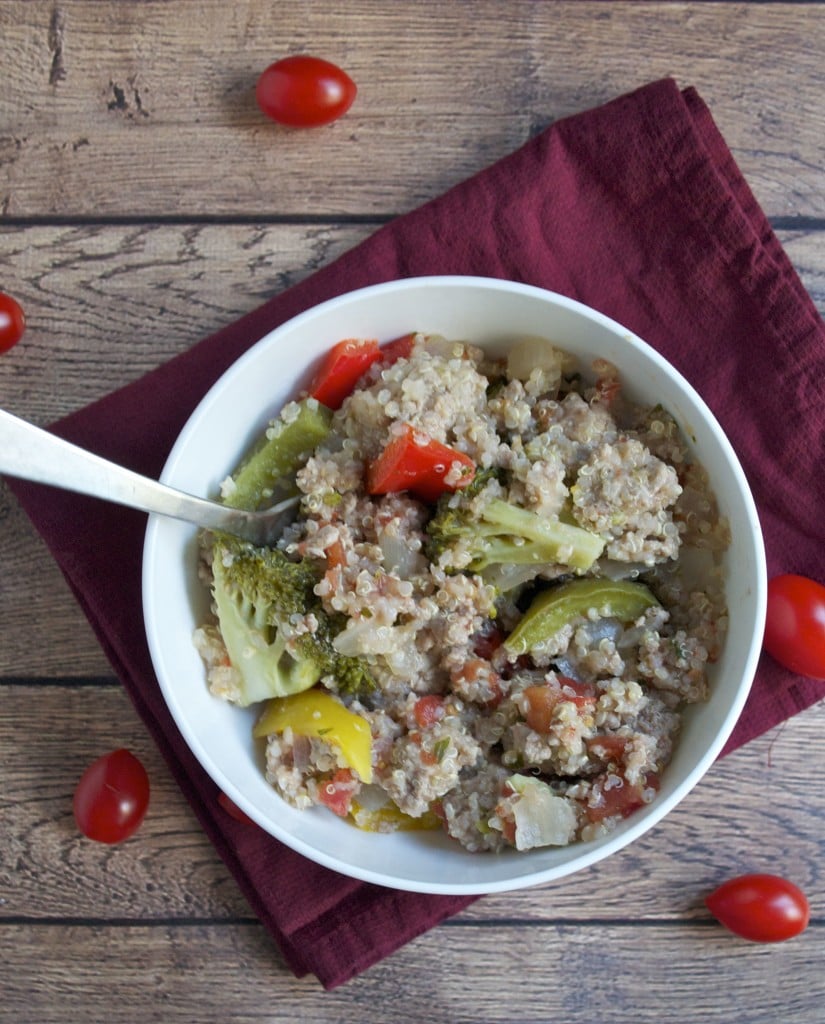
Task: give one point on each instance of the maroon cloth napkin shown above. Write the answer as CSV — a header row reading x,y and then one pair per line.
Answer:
x,y
636,208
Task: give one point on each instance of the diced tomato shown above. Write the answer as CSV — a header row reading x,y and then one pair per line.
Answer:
x,y
479,676
338,790
607,748
543,700
497,694
471,671
508,830
622,798
412,462
399,348
437,808
428,710
427,755
581,694
607,389
342,368
336,556
507,819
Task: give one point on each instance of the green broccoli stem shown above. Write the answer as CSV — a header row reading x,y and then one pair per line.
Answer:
x,y
270,470
552,539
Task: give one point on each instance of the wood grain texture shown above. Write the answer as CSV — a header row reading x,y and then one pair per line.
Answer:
x,y
463,975
107,303
755,809
140,109
145,203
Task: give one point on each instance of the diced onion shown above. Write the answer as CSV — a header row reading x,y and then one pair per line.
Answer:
x,y
542,818
534,353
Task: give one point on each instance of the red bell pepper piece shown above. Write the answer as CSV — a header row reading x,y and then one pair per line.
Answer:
x,y
342,368
412,462
348,361
398,348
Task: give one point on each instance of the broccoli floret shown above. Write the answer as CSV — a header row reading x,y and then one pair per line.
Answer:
x,y
480,482
494,532
256,592
255,646
351,674
275,585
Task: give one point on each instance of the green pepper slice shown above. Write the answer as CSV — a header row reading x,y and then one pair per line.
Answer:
x,y
554,608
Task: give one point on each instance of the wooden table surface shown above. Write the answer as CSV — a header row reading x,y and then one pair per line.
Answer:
x,y
144,203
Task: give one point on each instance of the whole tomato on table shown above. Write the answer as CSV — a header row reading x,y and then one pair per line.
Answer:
x,y
760,907
304,91
795,624
111,798
12,322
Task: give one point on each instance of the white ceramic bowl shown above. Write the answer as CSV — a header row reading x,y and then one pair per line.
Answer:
x,y
233,414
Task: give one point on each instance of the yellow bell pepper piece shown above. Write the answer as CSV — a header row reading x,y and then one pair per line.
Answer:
x,y
317,713
390,818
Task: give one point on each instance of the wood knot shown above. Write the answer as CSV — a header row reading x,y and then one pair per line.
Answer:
x,y
57,33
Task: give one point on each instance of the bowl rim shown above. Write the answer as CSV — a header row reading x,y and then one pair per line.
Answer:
x,y
588,852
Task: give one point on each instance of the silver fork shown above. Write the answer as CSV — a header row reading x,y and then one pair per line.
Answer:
x,y
33,454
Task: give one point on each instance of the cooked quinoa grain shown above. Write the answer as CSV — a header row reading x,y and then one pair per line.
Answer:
x,y
500,591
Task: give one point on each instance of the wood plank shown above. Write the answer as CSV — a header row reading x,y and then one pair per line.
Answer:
x,y
220,974
90,90
753,811
107,303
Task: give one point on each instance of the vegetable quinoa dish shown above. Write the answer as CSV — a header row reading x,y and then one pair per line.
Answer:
x,y
499,592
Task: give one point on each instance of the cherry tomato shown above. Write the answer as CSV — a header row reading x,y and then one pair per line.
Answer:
x,y
761,908
304,91
12,322
111,798
398,348
795,626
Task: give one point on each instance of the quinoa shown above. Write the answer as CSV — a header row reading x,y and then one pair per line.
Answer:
x,y
502,748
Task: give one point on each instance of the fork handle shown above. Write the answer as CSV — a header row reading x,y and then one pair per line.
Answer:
x,y
34,454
